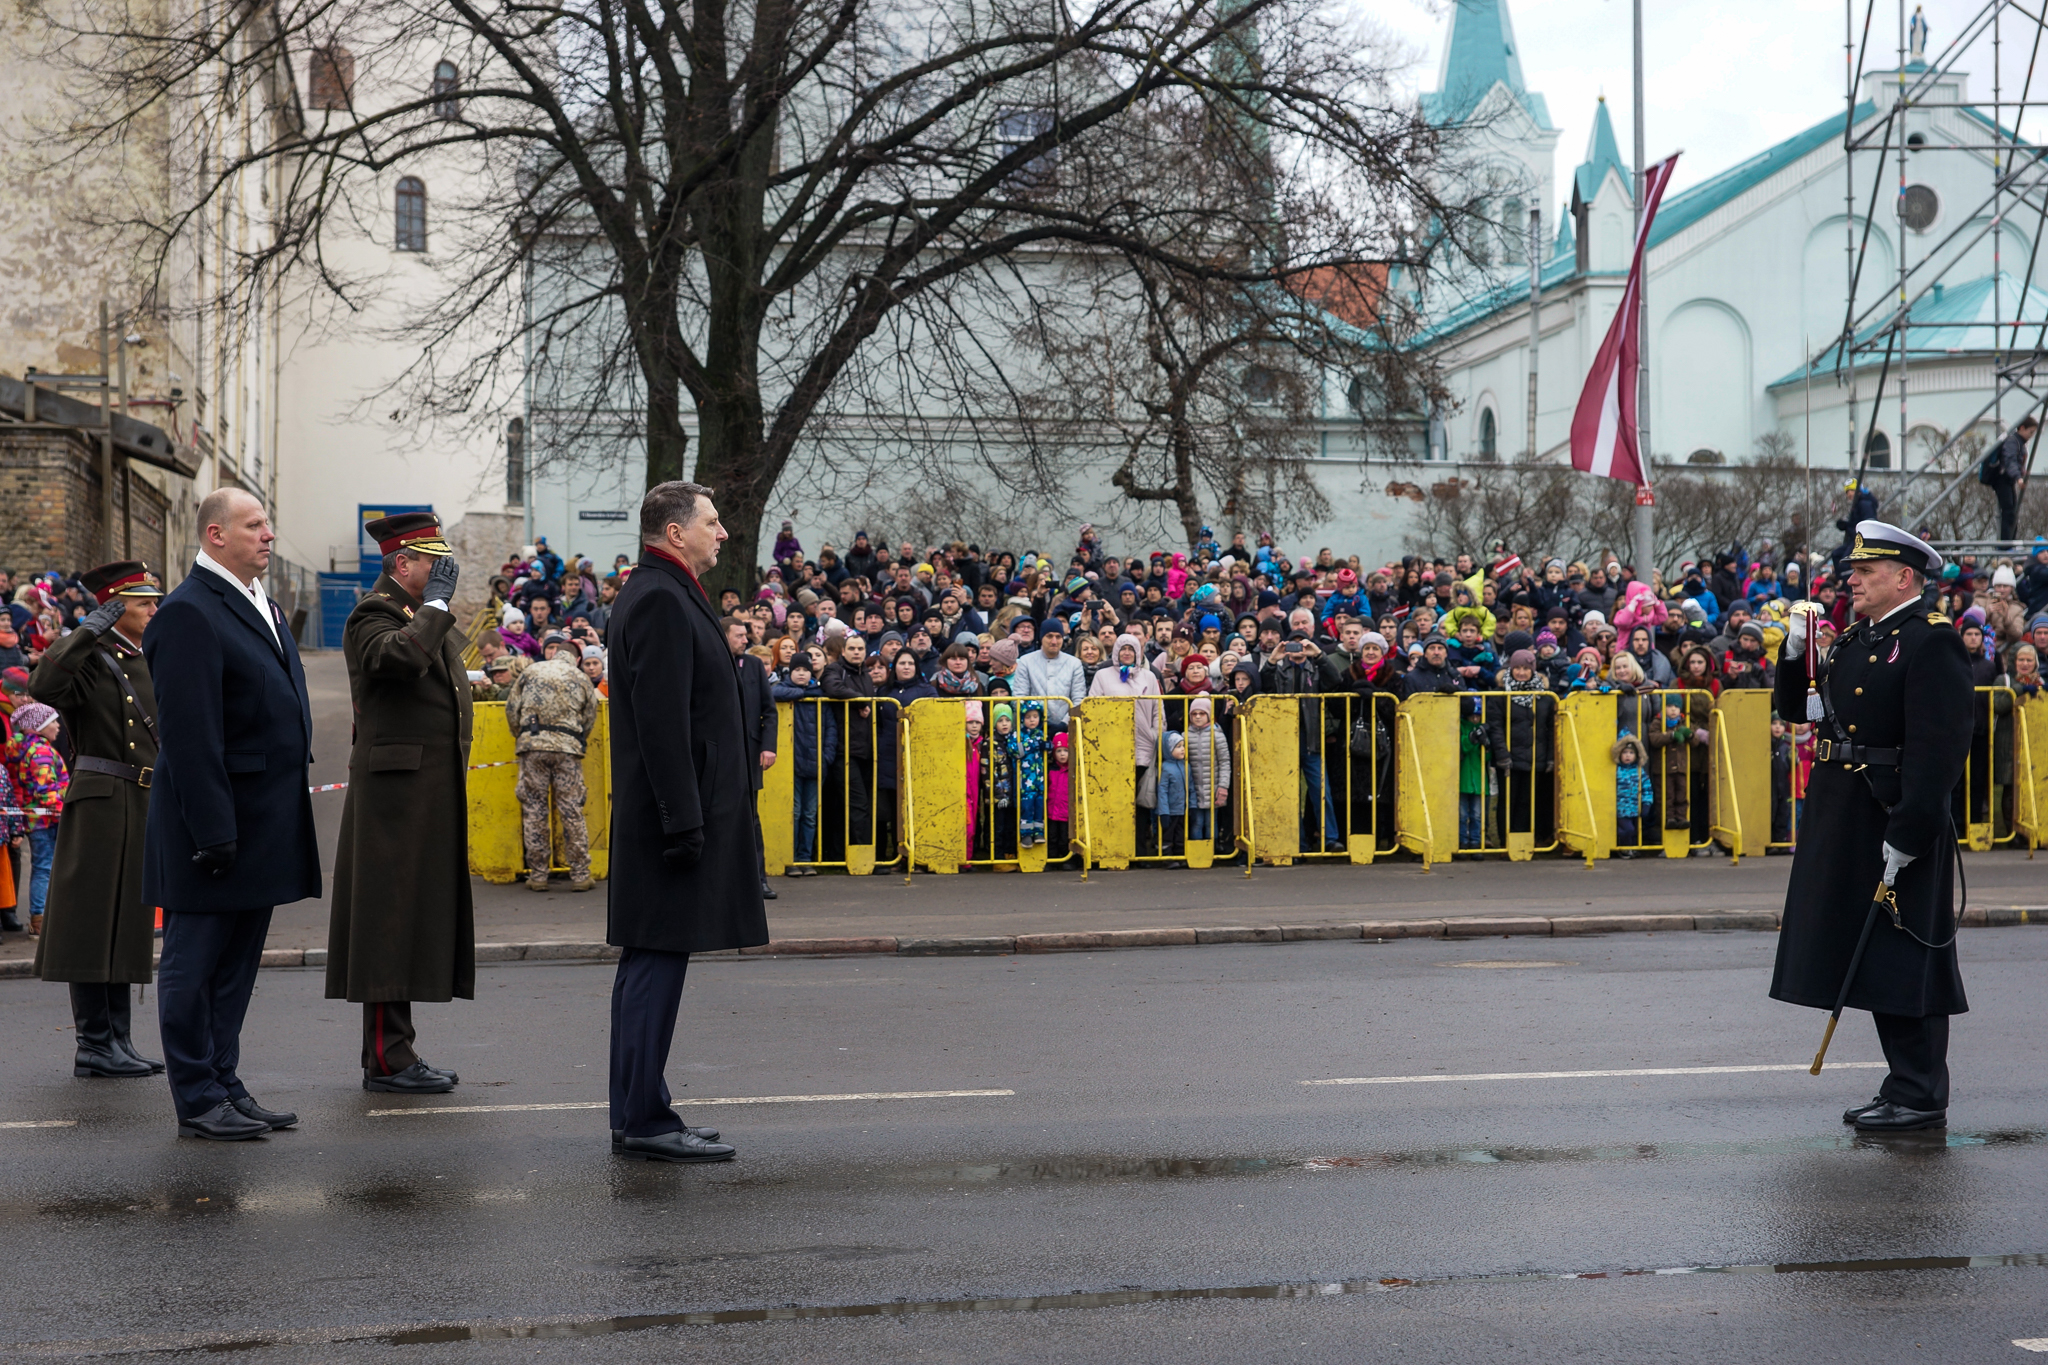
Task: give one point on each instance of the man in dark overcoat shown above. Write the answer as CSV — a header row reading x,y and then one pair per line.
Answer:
x,y
230,822
684,872
1892,734
757,711
99,934
401,927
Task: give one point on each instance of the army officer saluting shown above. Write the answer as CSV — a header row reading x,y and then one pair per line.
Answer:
x,y
98,933
1891,709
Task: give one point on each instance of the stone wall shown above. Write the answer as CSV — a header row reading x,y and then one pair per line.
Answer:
x,y
482,541
50,505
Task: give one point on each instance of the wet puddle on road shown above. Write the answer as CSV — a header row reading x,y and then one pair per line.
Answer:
x,y
560,1329
1177,1168
1048,1171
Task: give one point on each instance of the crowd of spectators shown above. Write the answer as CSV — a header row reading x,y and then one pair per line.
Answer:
x,y
1228,622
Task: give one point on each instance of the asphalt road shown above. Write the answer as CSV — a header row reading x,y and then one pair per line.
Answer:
x,y
1160,1150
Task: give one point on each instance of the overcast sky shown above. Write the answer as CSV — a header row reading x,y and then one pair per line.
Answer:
x,y
1721,80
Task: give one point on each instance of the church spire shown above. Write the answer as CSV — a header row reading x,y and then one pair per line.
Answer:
x,y
1479,54
1602,152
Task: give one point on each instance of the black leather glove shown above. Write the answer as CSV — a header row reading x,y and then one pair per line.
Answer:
x,y
440,580
101,618
681,851
215,861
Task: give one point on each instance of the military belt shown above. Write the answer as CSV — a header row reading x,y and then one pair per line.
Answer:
x,y
127,772
1837,751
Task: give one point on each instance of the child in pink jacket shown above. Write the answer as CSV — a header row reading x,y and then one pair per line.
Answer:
x,y
1640,607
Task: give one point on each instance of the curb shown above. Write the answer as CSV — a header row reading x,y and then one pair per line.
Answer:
x,y
1101,940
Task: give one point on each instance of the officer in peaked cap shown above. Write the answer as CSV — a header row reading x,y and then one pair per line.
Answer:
x,y
1891,711
401,926
99,931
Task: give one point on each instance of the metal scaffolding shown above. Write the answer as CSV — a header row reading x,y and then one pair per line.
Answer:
x,y
1876,156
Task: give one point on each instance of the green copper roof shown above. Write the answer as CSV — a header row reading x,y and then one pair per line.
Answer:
x,y
1680,211
1974,318
1479,54
1602,153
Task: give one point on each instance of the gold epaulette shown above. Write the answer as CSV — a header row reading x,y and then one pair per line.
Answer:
x,y
1935,618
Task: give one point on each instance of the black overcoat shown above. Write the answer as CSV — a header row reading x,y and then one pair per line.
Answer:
x,y
757,709
1901,683
97,926
680,755
237,735
401,926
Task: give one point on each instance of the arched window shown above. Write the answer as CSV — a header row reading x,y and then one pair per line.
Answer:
x,y
1489,436
412,214
1879,449
446,78
1514,232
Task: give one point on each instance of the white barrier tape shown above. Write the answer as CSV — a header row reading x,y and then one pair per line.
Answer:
x,y
314,791
336,786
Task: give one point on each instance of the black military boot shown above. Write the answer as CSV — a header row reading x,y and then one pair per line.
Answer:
x,y
119,994
98,1055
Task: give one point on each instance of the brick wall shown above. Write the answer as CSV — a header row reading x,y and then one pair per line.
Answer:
x,y
50,500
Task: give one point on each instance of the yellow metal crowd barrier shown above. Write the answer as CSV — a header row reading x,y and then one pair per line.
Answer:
x,y
497,851
1280,779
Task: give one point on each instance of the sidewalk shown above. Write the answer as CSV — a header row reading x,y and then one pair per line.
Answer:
x,y
1005,912
1452,898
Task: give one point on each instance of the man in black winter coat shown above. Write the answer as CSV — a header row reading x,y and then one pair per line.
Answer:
x,y
2009,475
1889,752
757,710
685,876
230,833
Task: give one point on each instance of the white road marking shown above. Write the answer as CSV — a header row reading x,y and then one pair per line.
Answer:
x,y
41,1123
1586,1075
735,1099
2032,1344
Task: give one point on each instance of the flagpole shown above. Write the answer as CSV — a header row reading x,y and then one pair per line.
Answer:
x,y
1645,550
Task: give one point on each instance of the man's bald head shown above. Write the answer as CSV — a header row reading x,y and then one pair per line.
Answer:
x,y
234,530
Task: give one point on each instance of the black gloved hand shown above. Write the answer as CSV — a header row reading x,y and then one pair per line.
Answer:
x,y
101,618
215,861
440,580
681,851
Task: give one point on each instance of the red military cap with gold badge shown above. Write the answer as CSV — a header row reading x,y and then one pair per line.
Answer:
x,y
122,578
416,533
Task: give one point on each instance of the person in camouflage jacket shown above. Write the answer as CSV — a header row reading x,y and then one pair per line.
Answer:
x,y
551,708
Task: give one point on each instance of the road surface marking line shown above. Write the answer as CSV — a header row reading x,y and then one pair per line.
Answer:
x,y
41,1123
1588,1075
736,1099
2032,1343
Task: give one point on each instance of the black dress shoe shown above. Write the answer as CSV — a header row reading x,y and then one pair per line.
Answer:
x,y
107,1063
708,1134
681,1148
1896,1118
453,1079
417,1079
769,893
1851,1115
247,1107
222,1123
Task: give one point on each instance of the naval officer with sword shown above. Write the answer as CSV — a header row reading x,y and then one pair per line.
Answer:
x,y
1891,709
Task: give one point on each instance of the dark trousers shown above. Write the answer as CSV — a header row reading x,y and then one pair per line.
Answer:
x,y
2008,494
388,1037
202,993
1916,1050
645,996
